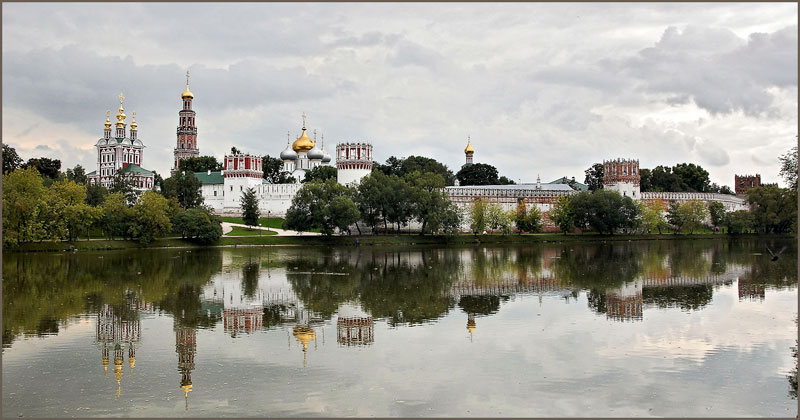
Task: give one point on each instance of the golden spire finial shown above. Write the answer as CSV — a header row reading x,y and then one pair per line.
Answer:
x,y
315,135
187,94
108,120
121,98
121,112
304,120
133,123
187,79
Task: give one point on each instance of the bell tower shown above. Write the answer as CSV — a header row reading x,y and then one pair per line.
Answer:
x,y
186,146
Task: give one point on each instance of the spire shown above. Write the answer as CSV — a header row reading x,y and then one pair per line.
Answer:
x,y
304,121
288,136
187,94
315,135
121,112
108,120
133,123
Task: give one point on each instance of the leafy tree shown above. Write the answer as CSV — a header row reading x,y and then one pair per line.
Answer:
x,y
320,173
274,173
23,201
693,176
78,175
477,174
11,160
185,187
717,212
714,188
158,181
429,202
594,177
95,194
505,181
117,217
250,211
235,151
406,166
122,183
533,220
477,216
151,217
740,221
645,183
675,217
399,208
200,164
495,216
199,224
693,213
774,209
313,207
652,215
48,168
70,213
370,199
788,167
562,214
662,178
604,210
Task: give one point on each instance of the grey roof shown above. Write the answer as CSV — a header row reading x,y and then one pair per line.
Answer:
x,y
527,186
565,180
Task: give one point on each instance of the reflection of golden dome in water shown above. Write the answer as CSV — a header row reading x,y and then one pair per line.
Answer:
x,y
304,335
132,362
471,326
105,365
186,387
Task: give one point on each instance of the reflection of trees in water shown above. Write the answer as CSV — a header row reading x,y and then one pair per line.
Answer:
x,y
250,278
597,266
488,266
481,305
684,297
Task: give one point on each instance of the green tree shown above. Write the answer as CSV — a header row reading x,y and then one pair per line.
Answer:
x,y
406,166
594,177
562,214
23,201
505,181
95,194
250,211
652,215
788,167
122,183
117,217
693,213
200,164
675,217
605,211
477,216
693,176
199,224
645,179
370,199
48,168
320,173
774,209
77,174
429,202
477,174
185,187
70,213
321,204
151,217
11,160
739,221
274,173
716,211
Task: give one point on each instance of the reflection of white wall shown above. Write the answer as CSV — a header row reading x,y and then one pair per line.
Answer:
x,y
629,289
351,310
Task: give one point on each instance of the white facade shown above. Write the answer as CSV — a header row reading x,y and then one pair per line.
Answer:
x,y
353,162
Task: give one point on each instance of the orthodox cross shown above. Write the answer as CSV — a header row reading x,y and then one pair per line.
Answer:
x,y
304,120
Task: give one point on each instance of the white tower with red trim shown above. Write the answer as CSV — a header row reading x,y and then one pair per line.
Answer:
x,y
353,162
241,171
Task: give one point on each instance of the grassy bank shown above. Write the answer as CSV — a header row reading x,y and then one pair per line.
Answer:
x,y
241,231
385,240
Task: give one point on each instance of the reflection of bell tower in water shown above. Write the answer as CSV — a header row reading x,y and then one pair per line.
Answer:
x,y
186,347
116,334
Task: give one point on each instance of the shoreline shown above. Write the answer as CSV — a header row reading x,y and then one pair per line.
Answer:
x,y
373,240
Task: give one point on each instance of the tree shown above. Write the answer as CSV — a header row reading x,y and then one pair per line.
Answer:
x,y
645,183
477,174
406,166
693,213
505,181
674,216
370,199
185,187
495,216
23,201
605,211
235,151
95,194
429,202
67,203
122,183
652,215
562,214
199,224
320,173
717,212
48,168
78,175
250,211
774,209
274,173
477,216
740,221
117,216
663,179
317,205
11,160
200,164
594,177
151,217
693,176
158,181
788,167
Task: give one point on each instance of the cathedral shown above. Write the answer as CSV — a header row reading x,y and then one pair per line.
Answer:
x,y
122,153
303,155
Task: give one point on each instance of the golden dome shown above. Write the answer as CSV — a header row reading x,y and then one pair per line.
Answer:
x,y
133,123
304,335
187,94
469,150
108,120
303,143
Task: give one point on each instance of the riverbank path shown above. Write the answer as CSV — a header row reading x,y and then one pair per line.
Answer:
x,y
227,227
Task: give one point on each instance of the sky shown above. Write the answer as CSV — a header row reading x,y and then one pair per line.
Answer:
x,y
540,89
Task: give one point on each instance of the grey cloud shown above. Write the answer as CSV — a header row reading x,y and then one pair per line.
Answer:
x,y
719,73
43,147
407,53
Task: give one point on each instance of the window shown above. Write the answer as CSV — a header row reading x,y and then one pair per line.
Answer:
x,y
215,193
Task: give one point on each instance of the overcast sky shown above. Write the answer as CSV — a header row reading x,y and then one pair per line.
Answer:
x,y
541,88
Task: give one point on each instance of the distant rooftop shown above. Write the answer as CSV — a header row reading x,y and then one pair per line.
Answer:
x,y
526,186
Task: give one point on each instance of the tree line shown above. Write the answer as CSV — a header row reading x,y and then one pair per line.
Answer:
x,y
683,177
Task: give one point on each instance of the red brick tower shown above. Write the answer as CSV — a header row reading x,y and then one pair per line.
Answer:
x,y
187,130
742,183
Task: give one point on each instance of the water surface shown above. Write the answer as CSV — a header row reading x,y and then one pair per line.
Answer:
x,y
668,328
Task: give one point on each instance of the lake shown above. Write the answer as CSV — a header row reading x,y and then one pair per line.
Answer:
x,y
644,328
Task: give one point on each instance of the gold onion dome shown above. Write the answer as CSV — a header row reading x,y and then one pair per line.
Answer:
x,y
108,120
187,94
133,123
469,150
303,143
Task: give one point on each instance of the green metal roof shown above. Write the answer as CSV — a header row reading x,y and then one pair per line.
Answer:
x,y
565,180
91,173
213,178
136,169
